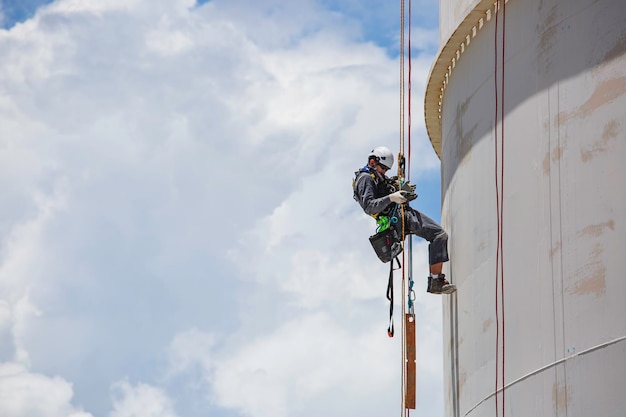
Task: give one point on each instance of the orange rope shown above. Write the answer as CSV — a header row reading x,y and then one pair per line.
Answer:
x,y
400,177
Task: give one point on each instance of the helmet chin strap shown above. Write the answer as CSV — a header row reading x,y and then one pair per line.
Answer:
x,y
380,175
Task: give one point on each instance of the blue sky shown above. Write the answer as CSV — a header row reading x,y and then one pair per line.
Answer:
x,y
178,235
19,11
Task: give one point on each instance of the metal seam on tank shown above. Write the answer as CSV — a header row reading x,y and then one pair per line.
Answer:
x,y
546,367
446,60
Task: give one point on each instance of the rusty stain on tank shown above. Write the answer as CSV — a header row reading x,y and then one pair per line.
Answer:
x,y
606,92
554,156
597,229
486,324
464,145
465,138
596,284
560,397
547,29
592,276
611,130
546,164
557,153
610,133
462,379
555,249
546,40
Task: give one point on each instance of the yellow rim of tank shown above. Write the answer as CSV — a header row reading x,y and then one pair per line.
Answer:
x,y
446,60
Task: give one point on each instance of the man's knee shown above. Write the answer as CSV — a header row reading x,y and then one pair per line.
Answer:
x,y
441,236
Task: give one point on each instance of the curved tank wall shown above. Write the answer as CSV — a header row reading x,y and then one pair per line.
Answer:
x,y
564,213
451,14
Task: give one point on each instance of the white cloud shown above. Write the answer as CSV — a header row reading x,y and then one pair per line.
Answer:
x,y
425,39
102,6
141,400
23,260
304,360
168,43
167,167
25,394
191,348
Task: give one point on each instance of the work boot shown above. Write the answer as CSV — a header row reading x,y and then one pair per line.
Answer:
x,y
440,285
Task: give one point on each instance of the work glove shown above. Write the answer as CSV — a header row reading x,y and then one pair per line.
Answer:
x,y
398,197
401,197
410,187
409,195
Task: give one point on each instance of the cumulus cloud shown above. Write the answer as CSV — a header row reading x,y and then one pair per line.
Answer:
x,y
302,361
191,348
141,400
317,356
177,210
24,394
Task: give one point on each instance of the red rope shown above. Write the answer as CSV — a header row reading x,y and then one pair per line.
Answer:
x,y
407,175
495,127
408,170
499,181
502,195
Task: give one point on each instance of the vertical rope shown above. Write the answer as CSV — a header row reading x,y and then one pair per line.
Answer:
x,y
496,172
499,180
406,176
401,81
400,175
408,169
502,66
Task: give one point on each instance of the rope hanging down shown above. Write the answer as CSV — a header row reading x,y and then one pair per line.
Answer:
x,y
400,178
408,322
499,182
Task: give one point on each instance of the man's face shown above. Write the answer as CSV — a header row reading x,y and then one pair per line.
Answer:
x,y
382,170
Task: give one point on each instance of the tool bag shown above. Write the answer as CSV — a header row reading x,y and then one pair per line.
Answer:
x,y
387,244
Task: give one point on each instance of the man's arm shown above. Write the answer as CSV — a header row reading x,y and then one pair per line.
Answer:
x,y
365,194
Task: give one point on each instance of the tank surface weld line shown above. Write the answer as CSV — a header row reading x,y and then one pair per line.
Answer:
x,y
543,368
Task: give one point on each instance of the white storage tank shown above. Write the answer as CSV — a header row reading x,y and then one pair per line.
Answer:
x,y
557,169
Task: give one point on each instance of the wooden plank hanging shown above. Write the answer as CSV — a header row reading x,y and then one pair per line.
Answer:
x,y
409,395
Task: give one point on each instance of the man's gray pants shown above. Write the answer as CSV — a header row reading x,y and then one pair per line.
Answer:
x,y
419,224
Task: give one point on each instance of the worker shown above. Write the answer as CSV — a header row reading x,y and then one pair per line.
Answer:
x,y
379,196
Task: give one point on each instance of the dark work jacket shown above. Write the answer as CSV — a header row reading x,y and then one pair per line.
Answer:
x,y
371,191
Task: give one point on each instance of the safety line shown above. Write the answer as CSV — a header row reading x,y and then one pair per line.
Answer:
x,y
400,175
408,167
495,142
401,82
407,176
502,118
499,182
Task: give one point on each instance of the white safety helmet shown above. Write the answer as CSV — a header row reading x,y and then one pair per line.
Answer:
x,y
383,156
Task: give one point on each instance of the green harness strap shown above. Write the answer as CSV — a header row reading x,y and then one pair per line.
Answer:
x,y
382,223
